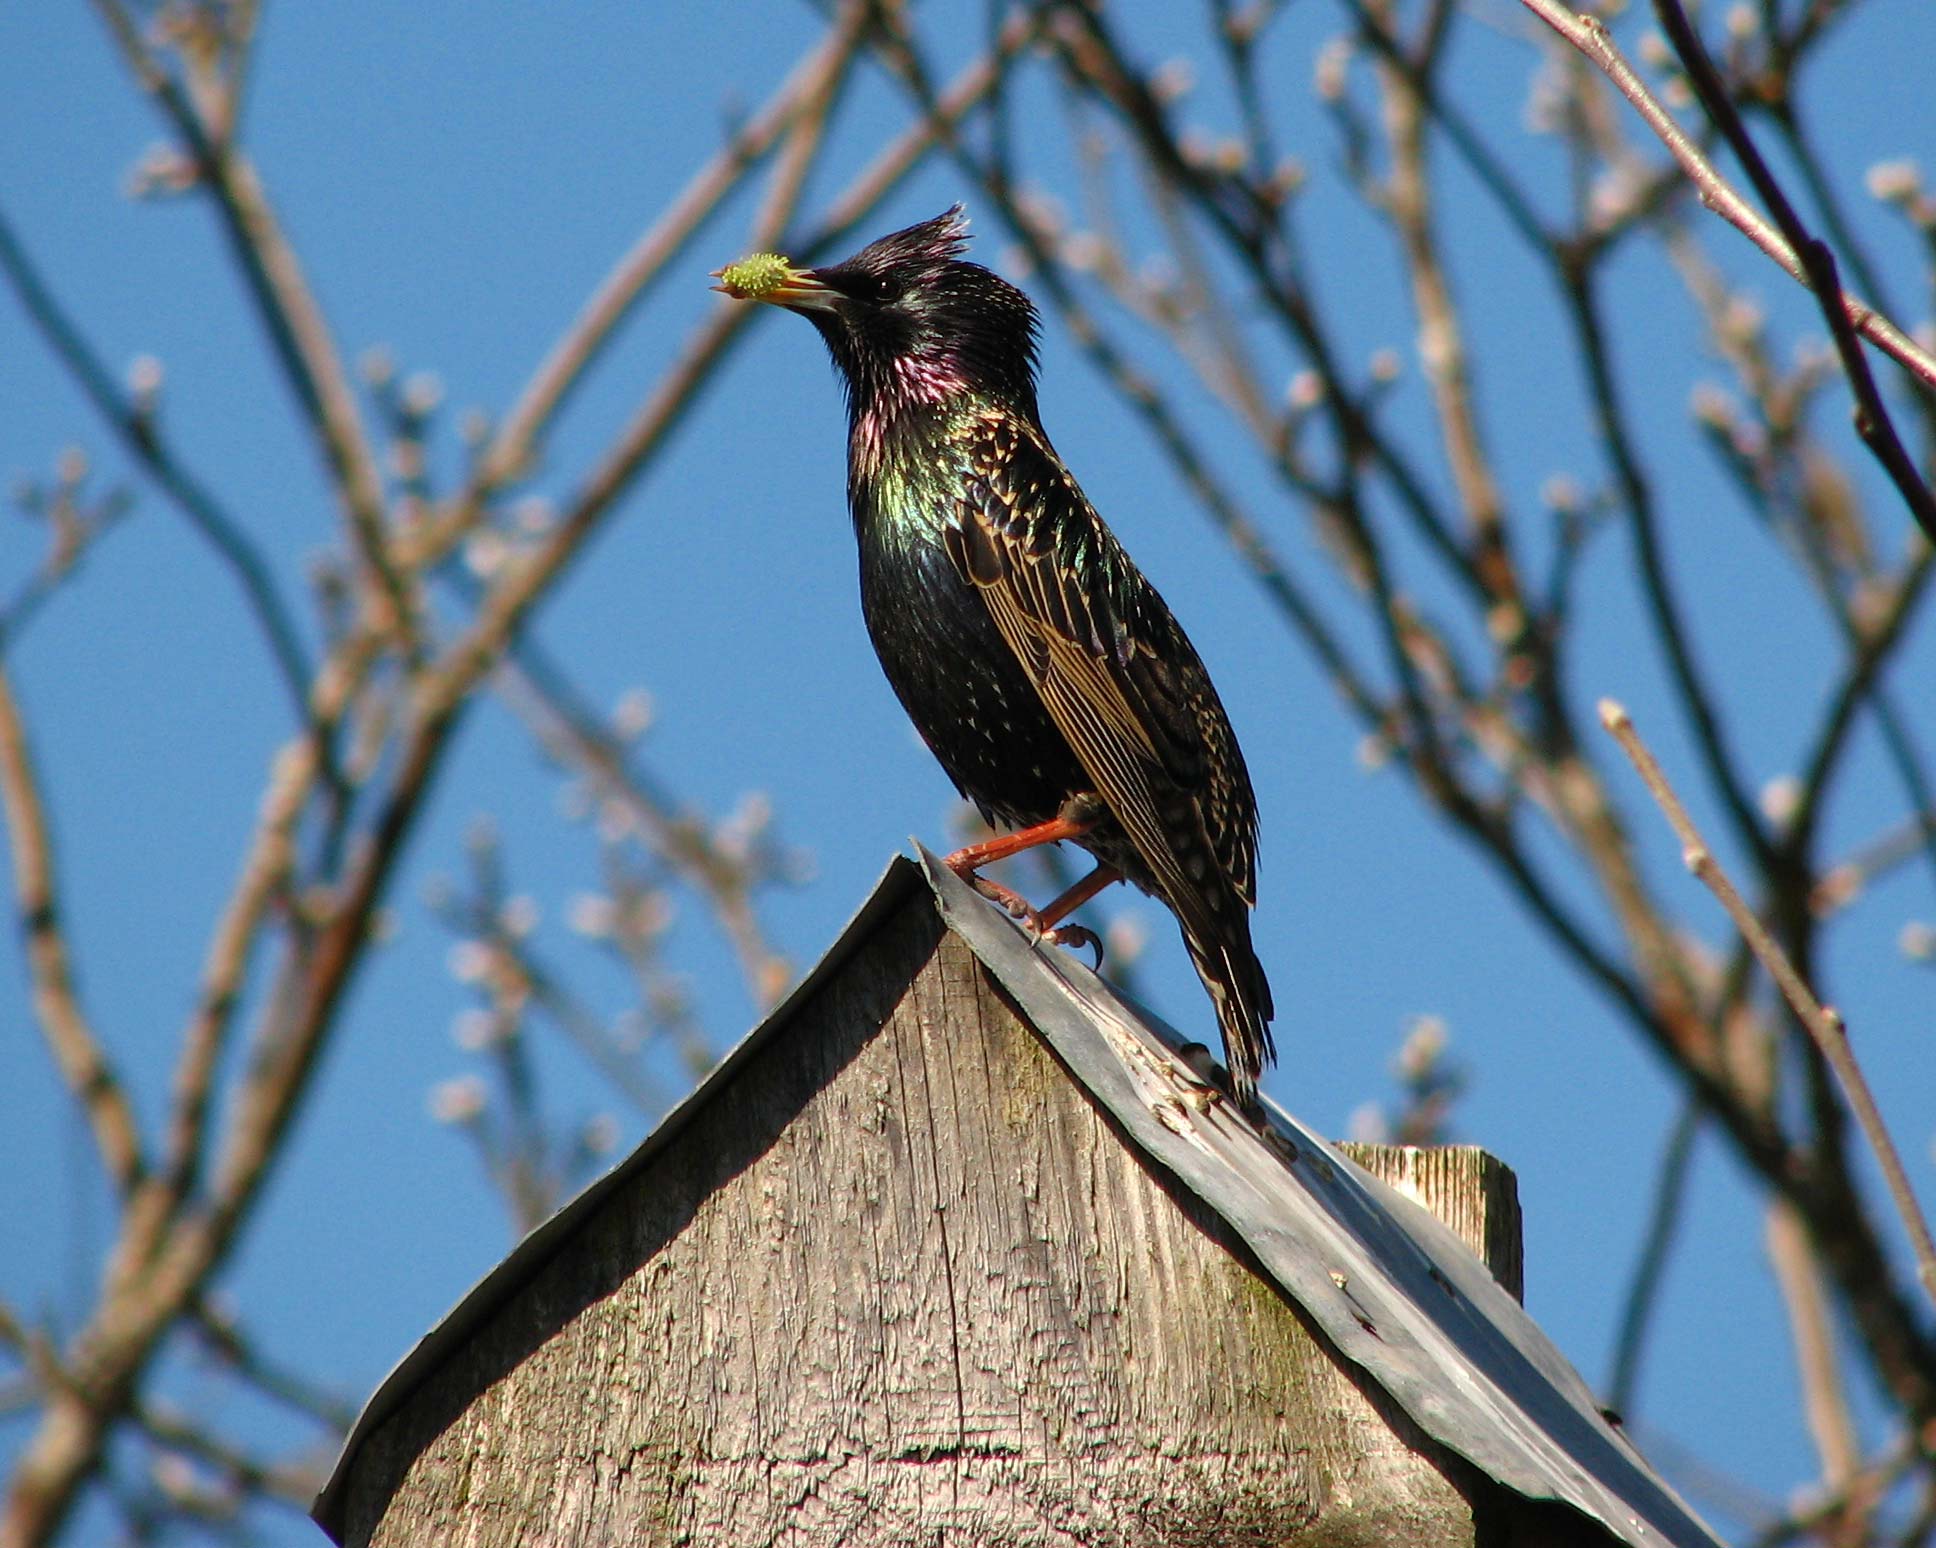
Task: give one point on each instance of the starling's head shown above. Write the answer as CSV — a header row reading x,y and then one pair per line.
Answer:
x,y
907,319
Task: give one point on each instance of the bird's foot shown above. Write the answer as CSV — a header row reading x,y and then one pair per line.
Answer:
x,y
1079,814
1039,924
1007,899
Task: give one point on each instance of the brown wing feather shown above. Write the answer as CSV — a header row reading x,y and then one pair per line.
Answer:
x,y
1124,687
1093,636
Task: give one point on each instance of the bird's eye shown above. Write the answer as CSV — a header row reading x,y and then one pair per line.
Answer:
x,y
883,288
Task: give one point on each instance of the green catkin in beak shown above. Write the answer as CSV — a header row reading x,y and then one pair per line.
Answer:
x,y
754,276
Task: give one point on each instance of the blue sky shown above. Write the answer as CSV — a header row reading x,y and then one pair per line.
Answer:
x,y
456,179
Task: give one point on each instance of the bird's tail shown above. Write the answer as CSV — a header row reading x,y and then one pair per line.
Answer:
x,y
1230,970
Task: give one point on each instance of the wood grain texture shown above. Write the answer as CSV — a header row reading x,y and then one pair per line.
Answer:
x,y
1470,1189
901,1283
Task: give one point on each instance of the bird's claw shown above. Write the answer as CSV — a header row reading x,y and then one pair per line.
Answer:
x,y
1039,931
1075,937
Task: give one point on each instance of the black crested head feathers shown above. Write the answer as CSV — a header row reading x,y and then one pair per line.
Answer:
x,y
907,320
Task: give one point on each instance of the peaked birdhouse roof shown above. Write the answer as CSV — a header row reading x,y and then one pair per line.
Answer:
x,y
1392,1290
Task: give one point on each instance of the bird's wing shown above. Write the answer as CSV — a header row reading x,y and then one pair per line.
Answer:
x,y
1114,670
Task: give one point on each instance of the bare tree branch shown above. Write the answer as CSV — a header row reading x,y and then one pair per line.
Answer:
x,y
1818,269
1643,1289
290,315
1589,35
137,434
1824,1025
804,99
78,1051
1824,1402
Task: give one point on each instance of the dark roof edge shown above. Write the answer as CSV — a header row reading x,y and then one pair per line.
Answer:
x,y
901,880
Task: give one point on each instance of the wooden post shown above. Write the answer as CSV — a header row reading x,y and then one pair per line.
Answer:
x,y
901,1280
1471,1190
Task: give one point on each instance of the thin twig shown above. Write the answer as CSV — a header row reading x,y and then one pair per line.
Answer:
x,y
1819,272
809,90
266,871
1842,882
190,496
1824,1398
1441,342
78,1051
291,1485
1643,1290
1491,172
1885,628
266,1375
559,717
1589,35
1693,687
290,314
1824,1026
517,978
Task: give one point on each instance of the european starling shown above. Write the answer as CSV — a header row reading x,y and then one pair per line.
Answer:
x,y
1040,667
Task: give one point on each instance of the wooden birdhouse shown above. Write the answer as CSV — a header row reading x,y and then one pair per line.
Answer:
x,y
956,1249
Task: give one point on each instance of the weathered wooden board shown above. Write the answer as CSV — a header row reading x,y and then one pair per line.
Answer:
x,y
891,1276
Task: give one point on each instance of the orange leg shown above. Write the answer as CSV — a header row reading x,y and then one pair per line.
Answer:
x,y
1102,876
966,861
1076,935
970,858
